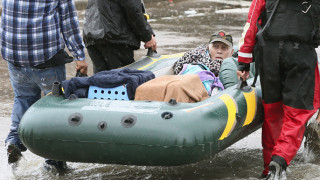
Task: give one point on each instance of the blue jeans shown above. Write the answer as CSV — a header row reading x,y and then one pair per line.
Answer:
x,y
27,84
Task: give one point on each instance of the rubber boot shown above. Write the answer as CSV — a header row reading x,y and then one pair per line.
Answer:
x,y
277,169
14,153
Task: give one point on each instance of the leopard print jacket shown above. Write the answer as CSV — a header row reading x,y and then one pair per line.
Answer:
x,y
198,56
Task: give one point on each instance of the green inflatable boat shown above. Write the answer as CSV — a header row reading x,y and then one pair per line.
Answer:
x,y
150,133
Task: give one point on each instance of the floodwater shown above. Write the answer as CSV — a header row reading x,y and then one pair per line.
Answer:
x,y
179,26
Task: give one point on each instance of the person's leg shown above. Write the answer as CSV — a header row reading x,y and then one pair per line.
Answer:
x,y
97,58
271,128
125,55
272,100
45,78
110,56
300,94
25,94
300,97
117,56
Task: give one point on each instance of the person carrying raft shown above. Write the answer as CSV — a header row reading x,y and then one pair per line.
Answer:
x,y
33,38
287,33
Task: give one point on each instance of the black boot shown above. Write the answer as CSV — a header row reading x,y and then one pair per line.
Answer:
x,y
52,165
277,168
13,152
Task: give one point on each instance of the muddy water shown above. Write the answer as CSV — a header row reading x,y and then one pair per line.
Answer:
x,y
179,26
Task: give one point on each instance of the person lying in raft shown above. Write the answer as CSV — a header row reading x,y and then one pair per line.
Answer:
x,y
217,55
220,47
204,69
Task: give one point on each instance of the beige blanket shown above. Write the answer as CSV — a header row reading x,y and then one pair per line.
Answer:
x,y
184,88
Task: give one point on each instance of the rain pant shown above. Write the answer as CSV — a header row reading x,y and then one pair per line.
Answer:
x,y
289,78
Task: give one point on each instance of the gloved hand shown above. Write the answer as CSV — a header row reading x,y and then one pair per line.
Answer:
x,y
243,71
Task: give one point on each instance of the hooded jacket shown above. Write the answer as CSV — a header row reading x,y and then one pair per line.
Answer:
x,y
116,22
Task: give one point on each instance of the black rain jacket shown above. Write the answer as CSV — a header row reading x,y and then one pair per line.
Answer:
x,y
116,22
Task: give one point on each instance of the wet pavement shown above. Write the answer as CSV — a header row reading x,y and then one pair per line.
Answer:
x,y
179,27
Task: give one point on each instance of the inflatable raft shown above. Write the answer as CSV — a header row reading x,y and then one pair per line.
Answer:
x,y
148,133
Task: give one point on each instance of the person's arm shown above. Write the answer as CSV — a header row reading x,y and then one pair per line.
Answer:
x,y
152,43
248,38
71,33
138,22
228,73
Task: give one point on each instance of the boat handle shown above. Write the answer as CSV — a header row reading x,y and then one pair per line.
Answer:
x,y
152,53
243,85
79,74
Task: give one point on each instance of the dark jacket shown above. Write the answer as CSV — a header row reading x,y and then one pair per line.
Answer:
x,y
116,22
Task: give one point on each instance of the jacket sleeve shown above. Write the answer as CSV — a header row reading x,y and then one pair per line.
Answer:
x,y
248,39
70,28
136,19
228,72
